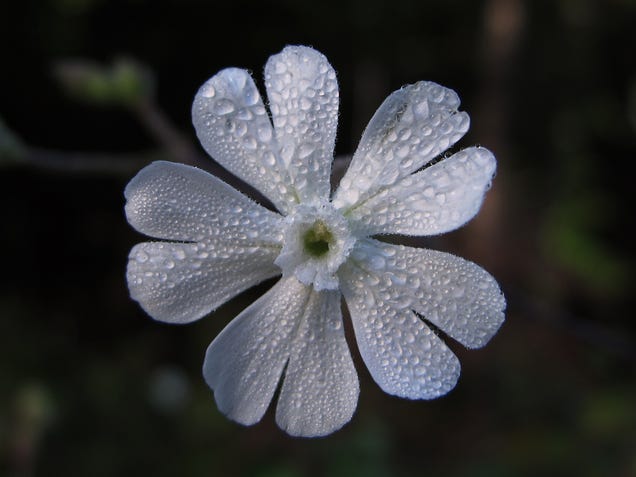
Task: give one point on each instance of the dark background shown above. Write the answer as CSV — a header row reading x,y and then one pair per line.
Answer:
x,y
91,90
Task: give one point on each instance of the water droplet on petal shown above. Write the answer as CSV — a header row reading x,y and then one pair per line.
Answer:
x,y
250,143
223,106
458,292
244,114
287,152
305,104
208,91
269,158
264,133
305,150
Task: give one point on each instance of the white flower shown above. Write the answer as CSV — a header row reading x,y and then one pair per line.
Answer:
x,y
221,243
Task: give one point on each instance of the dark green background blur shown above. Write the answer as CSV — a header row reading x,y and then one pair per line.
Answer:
x,y
91,386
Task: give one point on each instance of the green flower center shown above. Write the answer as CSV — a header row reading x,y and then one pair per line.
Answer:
x,y
317,239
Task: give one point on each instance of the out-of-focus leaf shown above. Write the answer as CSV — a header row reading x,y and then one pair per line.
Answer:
x,y
124,83
570,240
608,413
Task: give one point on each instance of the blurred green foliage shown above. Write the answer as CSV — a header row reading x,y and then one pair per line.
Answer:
x,y
124,83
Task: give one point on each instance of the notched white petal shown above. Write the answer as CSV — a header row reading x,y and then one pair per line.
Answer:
x,y
456,295
182,282
320,389
233,126
243,365
403,355
303,97
436,200
413,125
178,202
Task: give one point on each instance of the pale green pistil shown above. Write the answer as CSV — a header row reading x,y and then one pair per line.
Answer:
x,y
316,239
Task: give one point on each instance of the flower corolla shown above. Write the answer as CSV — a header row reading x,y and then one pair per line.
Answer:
x,y
213,243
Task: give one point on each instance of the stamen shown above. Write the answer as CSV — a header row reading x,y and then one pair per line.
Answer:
x,y
317,239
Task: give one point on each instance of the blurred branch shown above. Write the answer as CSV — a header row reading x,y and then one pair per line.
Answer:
x,y
92,163
127,84
164,131
131,85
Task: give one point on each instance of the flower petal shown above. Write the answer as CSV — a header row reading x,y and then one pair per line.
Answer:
x,y
177,202
182,282
303,97
403,355
413,125
456,295
320,389
438,199
234,128
243,365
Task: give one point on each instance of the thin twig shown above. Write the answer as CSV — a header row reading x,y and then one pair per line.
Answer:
x,y
164,131
75,162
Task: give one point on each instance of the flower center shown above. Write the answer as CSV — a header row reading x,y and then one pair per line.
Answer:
x,y
316,241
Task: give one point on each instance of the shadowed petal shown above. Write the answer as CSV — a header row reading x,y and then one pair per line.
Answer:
x,y
320,389
456,295
178,202
233,126
243,365
413,125
436,200
403,355
182,282
303,97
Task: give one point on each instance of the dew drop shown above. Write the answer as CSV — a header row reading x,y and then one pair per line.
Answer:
x,y
421,108
251,96
264,133
269,158
305,103
223,106
305,150
458,292
287,152
483,285
241,129
244,114
402,151
377,262
250,143
208,91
